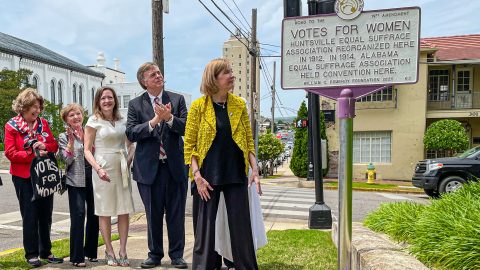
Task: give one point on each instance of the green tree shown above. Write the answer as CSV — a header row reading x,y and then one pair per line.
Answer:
x,y
448,135
299,161
10,79
51,112
11,83
269,148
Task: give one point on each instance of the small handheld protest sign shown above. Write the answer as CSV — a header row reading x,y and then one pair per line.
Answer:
x,y
45,175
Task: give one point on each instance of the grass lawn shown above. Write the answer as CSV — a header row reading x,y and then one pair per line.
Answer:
x,y
60,248
298,249
365,185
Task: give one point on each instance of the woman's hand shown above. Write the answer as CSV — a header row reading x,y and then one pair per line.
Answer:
x,y
39,146
255,178
102,173
78,131
203,186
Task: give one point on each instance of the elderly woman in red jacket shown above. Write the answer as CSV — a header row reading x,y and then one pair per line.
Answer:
x,y
24,133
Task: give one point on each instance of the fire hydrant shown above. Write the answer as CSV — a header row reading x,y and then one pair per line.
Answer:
x,y
371,174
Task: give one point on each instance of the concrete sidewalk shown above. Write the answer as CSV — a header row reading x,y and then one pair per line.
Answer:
x,y
137,243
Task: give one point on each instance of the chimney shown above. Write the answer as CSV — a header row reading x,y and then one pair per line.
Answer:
x,y
116,62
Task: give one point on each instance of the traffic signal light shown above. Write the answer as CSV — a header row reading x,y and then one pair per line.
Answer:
x,y
292,8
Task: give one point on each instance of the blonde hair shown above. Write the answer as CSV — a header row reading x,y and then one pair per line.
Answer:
x,y
96,103
67,109
141,70
26,99
209,85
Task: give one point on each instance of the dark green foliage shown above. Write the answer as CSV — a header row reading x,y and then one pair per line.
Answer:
x,y
11,83
269,148
10,79
51,113
446,134
6,98
443,235
299,161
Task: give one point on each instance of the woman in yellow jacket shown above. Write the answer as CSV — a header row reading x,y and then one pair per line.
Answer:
x,y
219,149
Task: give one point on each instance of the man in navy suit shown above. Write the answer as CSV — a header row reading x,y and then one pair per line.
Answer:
x,y
156,122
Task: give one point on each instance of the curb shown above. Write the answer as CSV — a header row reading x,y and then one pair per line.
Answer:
x,y
312,186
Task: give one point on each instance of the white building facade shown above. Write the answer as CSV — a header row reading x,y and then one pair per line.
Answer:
x,y
57,78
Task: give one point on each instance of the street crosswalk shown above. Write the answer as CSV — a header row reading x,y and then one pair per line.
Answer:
x,y
280,202
277,203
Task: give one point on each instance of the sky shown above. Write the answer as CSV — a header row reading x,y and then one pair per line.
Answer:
x,y
79,29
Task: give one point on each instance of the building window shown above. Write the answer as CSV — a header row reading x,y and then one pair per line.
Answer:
x,y
80,95
239,79
126,99
239,64
383,95
239,72
35,82
240,56
52,91
93,96
74,93
463,81
60,93
438,82
239,87
372,146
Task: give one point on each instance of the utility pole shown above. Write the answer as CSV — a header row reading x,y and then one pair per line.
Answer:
x,y
273,98
253,75
157,34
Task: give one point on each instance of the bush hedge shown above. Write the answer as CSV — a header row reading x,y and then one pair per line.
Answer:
x,y
445,234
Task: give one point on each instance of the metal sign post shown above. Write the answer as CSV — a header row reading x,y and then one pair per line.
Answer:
x,y
346,113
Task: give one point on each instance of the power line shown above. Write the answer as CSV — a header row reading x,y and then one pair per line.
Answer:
x,y
240,21
249,26
262,48
222,24
269,45
229,19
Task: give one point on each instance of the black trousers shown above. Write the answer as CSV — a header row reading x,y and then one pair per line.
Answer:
x,y
36,219
80,200
195,201
238,213
166,196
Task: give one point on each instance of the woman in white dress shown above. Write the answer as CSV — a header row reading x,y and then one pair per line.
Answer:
x,y
105,150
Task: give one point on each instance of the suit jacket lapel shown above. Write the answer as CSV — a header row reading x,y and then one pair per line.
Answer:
x,y
234,112
165,98
147,105
210,113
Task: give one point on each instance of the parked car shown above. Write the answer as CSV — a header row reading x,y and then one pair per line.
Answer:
x,y
443,175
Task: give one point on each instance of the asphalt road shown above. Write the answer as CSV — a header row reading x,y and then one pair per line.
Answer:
x,y
278,202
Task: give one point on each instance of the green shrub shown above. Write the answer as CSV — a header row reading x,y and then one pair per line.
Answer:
x,y
391,219
445,234
2,147
448,234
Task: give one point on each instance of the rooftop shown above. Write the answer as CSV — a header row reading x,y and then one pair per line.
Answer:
x,y
463,47
23,48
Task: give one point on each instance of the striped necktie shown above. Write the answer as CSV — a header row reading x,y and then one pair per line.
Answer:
x,y
163,154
